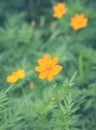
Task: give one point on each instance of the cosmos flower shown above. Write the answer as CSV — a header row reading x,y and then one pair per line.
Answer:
x,y
21,73
59,10
15,76
48,67
79,21
12,78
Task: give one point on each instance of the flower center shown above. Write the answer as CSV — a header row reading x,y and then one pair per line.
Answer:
x,y
48,67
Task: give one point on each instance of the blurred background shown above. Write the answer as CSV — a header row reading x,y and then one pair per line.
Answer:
x,y
28,31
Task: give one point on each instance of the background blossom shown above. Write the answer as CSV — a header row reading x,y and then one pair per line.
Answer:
x,y
79,21
15,76
59,10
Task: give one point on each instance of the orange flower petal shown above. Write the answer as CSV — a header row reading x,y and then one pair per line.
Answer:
x,y
50,77
41,62
11,79
61,5
43,75
21,73
54,61
56,69
55,8
39,68
14,74
47,57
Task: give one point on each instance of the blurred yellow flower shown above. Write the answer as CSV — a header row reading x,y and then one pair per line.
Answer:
x,y
59,10
33,23
12,78
32,85
15,76
79,21
48,67
21,73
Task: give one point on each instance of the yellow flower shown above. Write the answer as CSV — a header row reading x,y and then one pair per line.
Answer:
x,y
21,73
15,76
48,67
59,10
79,21
33,23
12,78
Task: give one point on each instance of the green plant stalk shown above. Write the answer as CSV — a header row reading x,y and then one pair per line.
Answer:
x,y
9,88
81,69
61,107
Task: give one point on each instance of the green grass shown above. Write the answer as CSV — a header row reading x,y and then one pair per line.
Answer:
x,y
73,90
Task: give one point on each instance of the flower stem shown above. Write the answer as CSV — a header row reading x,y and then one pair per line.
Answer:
x,y
9,88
